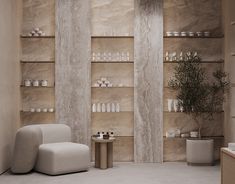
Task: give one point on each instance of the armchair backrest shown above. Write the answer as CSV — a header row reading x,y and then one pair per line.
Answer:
x,y
29,138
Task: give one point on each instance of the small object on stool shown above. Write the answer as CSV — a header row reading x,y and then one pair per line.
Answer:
x,y
106,136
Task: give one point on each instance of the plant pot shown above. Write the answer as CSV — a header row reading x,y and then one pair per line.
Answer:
x,y
200,152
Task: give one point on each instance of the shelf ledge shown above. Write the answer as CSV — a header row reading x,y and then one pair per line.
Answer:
x,y
218,61
51,36
201,37
37,62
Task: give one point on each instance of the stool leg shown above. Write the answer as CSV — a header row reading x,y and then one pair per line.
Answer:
x,y
97,155
110,154
103,155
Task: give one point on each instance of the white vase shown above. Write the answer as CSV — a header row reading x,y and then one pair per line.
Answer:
x,y
113,107
108,107
169,104
94,108
98,108
176,105
117,107
103,108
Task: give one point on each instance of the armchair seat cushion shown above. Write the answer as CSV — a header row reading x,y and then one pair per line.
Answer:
x,y
61,158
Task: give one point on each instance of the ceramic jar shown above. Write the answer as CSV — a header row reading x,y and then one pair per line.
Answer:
x,y
27,82
44,83
36,83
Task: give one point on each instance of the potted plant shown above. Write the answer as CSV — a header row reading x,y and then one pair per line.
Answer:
x,y
200,99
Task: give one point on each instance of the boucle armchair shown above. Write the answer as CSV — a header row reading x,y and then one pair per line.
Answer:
x,y
48,149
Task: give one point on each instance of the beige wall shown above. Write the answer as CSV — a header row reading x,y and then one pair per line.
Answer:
x,y
229,47
9,77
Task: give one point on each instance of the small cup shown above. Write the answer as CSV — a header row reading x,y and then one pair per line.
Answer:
x,y
27,82
191,34
176,33
207,33
36,83
38,110
183,33
199,33
194,134
96,85
44,83
36,29
44,110
51,110
103,85
32,110
169,33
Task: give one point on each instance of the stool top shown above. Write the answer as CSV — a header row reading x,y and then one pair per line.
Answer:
x,y
103,140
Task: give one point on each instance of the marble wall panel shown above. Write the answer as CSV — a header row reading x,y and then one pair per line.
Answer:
x,y
208,49
110,17
73,67
148,118
40,14
28,118
118,74
185,124
175,149
123,96
34,71
38,49
209,69
119,123
37,98
191,15
113,45
232,103
123,149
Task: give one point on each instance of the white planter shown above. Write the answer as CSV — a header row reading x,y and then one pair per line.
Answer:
x,y
200,151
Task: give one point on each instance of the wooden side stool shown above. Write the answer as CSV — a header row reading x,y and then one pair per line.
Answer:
x,y
103,152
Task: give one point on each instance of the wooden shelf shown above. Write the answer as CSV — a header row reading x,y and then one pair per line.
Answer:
x,y
203,137
93,87
37,62
29,112
113,112
33,37
112,36
219,61
185,113
119,62
22,86
200,37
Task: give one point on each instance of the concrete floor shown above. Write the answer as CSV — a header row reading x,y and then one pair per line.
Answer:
x,y
126,173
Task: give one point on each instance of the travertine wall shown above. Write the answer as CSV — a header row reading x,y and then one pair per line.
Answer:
x,y
148,101
229,49
140,123
10,13
73,67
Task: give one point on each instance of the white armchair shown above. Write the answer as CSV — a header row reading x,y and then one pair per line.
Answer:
x,y
48,149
